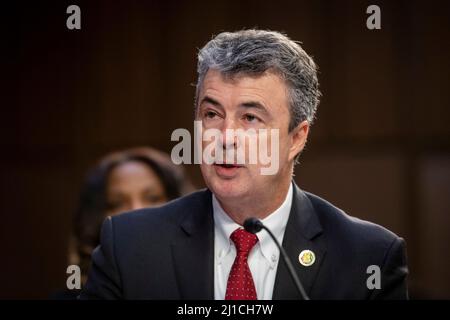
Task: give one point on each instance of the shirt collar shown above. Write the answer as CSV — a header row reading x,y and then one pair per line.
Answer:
x,y
276,222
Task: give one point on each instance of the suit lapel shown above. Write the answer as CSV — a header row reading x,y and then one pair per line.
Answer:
x,y
303,232
193,251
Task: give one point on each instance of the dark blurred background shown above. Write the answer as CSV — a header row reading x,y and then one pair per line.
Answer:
x,y
379,149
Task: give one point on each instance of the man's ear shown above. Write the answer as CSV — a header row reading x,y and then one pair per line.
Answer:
x,y
298,136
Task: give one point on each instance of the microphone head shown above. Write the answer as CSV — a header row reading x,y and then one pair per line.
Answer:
x,y
253,225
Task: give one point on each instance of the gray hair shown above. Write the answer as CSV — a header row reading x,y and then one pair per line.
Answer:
x,y
254,52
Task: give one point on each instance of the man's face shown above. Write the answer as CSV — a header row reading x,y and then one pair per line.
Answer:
x,y
246,102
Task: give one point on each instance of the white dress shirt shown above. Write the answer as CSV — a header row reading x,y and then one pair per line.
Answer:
x,y
263,258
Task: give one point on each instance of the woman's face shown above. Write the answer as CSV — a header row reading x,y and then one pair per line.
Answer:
x,y
133,185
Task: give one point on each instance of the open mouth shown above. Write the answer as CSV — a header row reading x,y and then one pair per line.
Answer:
x,y
226,170
227,166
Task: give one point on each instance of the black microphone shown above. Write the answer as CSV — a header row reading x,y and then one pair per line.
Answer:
x,y
254,226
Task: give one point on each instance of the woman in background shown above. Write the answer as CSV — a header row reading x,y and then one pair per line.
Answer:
x,y
122,181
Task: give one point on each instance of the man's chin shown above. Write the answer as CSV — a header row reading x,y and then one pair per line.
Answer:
x,y
228,189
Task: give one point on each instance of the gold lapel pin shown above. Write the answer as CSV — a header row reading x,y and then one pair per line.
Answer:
x,y
307,258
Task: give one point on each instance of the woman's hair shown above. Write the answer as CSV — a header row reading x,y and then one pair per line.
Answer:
x,y
92,207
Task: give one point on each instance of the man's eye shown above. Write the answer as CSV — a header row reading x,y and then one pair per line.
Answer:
x,y
210,114
250,118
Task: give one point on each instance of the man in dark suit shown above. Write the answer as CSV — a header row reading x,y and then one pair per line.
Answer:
x,y
195,247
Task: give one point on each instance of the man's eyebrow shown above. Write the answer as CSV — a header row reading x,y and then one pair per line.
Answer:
x,y
247,105
256,105
207,99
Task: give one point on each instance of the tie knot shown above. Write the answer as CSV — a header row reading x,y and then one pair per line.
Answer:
x,y
243,240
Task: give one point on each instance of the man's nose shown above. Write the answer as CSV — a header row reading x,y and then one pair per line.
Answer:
x,y
228,139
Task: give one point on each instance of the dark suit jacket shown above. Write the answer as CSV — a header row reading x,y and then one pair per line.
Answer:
x,y
168,253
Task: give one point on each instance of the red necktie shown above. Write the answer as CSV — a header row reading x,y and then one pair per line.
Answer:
x,y
240,284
